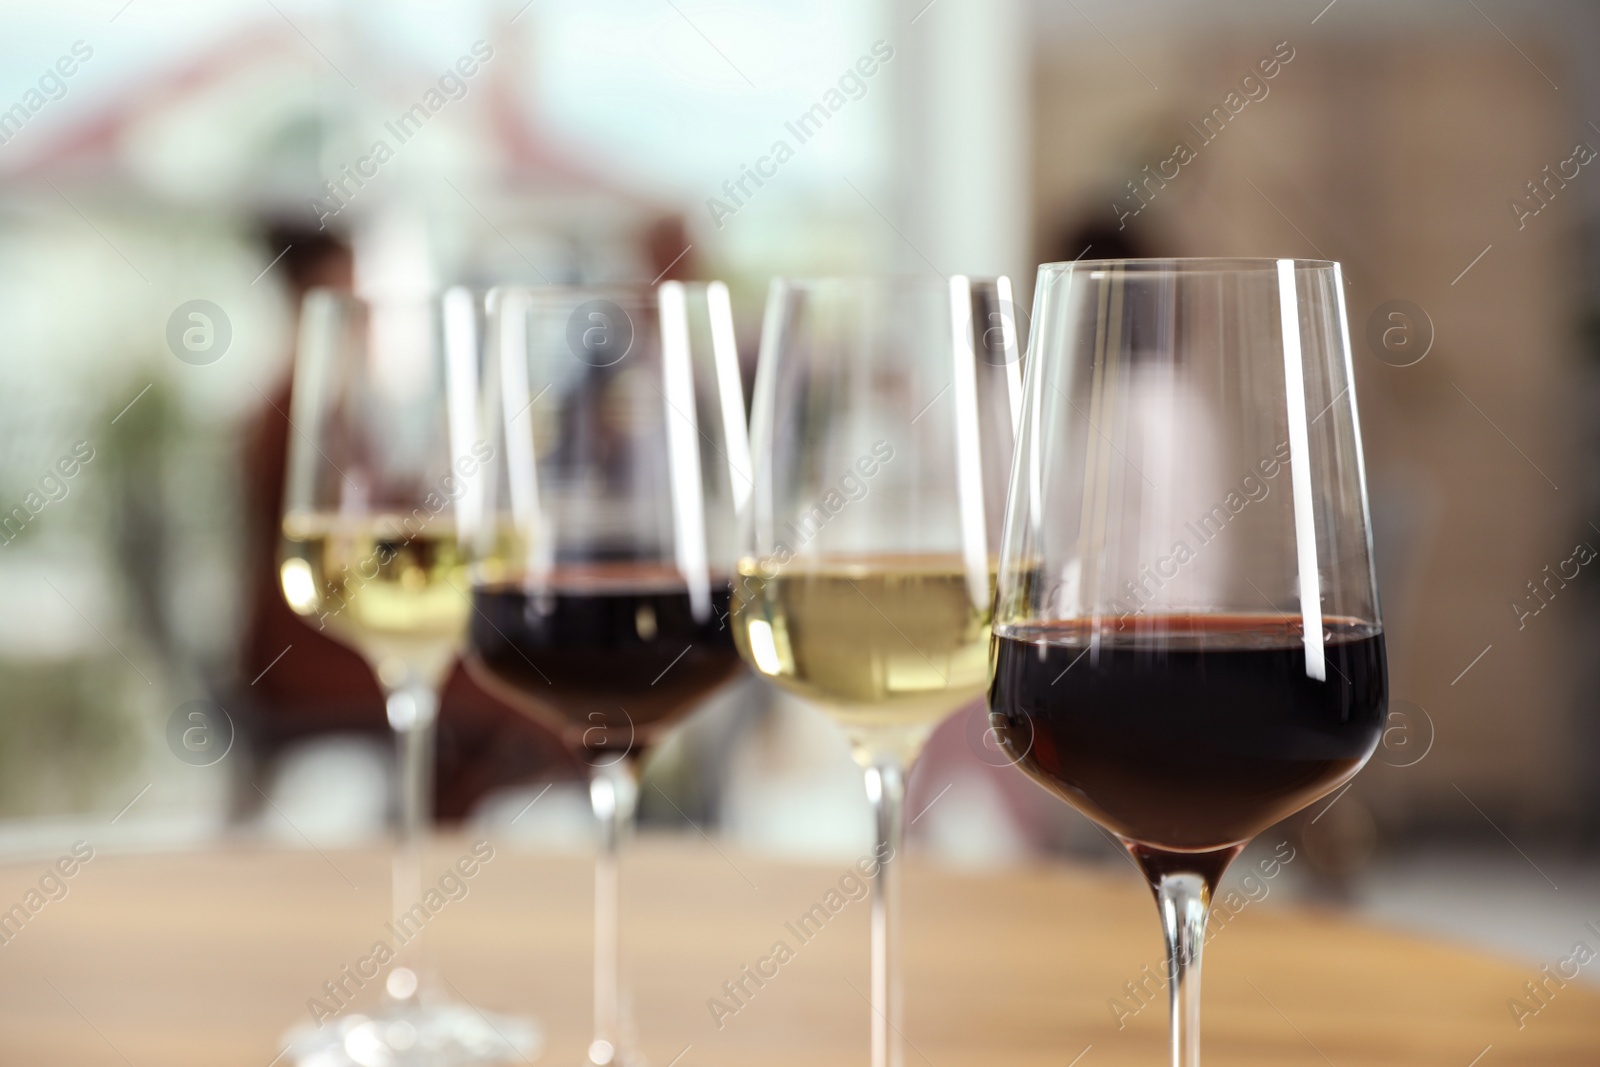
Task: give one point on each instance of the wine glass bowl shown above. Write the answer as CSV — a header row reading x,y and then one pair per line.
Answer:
x,y
1191,733
602,574
881,433
621,655
391,595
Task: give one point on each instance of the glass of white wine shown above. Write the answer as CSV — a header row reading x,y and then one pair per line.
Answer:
x,y
881,439
384,467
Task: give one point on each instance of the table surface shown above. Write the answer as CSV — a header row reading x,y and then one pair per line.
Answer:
x,y
206,958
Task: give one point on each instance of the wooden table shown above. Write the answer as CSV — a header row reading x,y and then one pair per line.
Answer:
x,y
205,958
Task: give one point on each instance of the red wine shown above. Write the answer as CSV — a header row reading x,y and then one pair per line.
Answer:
x,y
1188,733
607,666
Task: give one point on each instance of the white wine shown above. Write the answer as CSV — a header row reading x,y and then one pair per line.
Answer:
x,y
397,598
885,645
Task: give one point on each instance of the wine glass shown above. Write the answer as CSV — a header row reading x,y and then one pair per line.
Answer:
x,y
601,588
881,437
383,449
1187,646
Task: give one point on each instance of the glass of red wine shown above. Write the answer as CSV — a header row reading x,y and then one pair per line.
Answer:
x,y
1187,646
601,572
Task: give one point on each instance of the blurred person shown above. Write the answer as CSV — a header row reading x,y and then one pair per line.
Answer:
x,y
669,250
1092,237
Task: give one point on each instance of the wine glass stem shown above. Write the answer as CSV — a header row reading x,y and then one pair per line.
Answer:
x,y
413,709
1185,901
886,788
613,790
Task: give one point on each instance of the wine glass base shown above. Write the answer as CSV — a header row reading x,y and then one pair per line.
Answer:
x,y
412,1035
601,1054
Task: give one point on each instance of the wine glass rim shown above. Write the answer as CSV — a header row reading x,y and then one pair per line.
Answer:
x,y
421,297
642,291
1187,265
909,281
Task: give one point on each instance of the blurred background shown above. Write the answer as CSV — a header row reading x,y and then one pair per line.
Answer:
x,y
157,153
